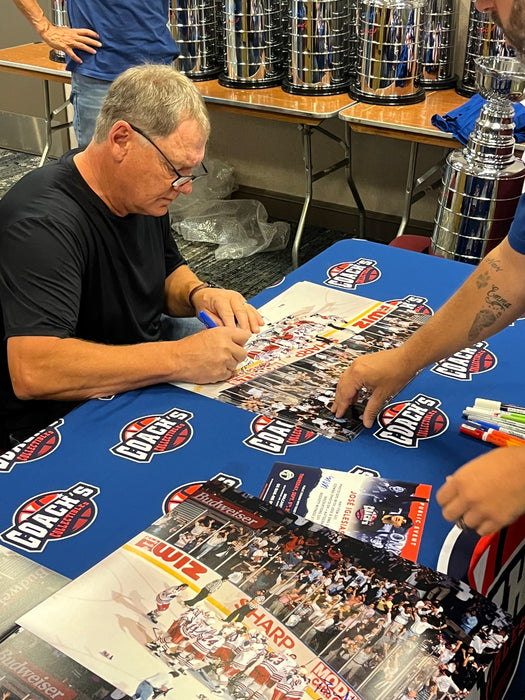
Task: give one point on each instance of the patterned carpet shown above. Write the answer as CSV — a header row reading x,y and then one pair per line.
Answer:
x,y
248,275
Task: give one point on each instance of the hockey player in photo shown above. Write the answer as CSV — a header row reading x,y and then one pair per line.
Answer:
x,y
164,600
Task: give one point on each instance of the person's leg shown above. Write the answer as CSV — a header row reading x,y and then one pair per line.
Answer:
x,y
176,328
87,96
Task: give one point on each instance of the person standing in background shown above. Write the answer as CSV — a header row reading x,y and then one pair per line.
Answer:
x,y
104,39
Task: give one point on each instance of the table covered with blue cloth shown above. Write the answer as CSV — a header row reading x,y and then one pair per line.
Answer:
x,y
108,495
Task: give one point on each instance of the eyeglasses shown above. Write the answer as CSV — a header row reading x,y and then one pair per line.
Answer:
x,y
180,180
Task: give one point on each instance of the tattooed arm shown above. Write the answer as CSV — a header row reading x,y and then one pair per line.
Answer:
x,y
490,299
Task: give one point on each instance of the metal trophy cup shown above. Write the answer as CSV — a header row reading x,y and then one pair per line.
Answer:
x,y
484,39
193,25
253,43
438,46
59,19
390,52
319,46
483,182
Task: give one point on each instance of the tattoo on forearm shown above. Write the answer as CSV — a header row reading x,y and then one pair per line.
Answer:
x,y
494,264
482,280
487,317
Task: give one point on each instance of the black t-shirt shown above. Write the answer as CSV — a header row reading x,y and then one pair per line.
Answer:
x,y
69,267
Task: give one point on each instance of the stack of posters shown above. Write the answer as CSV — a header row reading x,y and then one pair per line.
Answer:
x,y
23,584
227,596
312,334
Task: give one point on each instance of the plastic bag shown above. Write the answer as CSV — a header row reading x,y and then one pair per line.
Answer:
x,y
239,227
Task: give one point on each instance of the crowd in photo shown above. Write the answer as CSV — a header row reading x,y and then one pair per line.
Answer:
x,y
389,627
302,391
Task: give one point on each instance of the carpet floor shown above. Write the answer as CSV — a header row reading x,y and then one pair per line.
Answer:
x,y
248,275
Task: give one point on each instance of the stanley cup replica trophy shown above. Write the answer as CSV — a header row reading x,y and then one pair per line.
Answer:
x,y
483,182
59,19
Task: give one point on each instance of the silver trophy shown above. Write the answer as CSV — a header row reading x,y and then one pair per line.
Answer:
x,y
390,52
193,25
483,182
59,19
484,39
253,44
319,36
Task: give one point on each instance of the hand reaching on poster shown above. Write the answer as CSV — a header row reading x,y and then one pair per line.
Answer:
x,y
487,493
382,375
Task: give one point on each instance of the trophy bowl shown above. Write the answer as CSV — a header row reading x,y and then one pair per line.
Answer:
x,y
500,77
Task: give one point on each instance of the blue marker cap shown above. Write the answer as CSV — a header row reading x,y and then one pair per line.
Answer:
x,y
207,320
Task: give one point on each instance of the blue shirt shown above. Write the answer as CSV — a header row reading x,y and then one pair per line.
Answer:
x,y
132,32
516,236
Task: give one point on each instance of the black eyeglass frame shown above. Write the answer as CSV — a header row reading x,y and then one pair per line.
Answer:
x,y
180,180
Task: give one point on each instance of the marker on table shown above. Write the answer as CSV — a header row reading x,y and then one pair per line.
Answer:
x,y
495,437
489,415
207,320
516,430
491,405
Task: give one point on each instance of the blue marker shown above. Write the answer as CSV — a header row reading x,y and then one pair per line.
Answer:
x,y
207,320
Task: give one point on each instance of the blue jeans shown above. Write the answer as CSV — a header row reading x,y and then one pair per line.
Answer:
x,y
176,328
144,691
87,96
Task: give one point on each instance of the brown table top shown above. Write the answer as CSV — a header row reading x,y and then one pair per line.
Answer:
x,y
274,103
408,122
33,60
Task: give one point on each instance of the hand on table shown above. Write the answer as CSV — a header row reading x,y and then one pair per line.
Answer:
x,y
488,493
209,356
383,374
228,308
68,40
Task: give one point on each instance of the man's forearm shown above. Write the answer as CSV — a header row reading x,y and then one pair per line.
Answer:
x,y
34,13
490,299
72,369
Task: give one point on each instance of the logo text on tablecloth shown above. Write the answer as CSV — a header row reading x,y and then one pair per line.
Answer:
x,y
54,515
463,364
349,275
36,447
405,423
414,303
145,437
276,436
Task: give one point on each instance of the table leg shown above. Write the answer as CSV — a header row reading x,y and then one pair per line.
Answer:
x,y
47,117
306,132
310,178
409,187
351,182
50,114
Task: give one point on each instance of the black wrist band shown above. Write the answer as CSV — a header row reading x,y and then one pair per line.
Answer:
x,y
200,286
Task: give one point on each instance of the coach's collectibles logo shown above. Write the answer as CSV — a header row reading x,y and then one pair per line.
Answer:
x,y
406,422
276,436
36,447
52,516
463,364
186,490
418,305
349,275
148,436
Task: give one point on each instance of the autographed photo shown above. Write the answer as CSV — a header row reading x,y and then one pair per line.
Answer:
x,y
312,334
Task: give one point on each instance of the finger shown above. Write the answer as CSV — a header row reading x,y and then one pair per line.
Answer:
x,y
447,492
455,509
239,354
374,404
73,55
240,336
